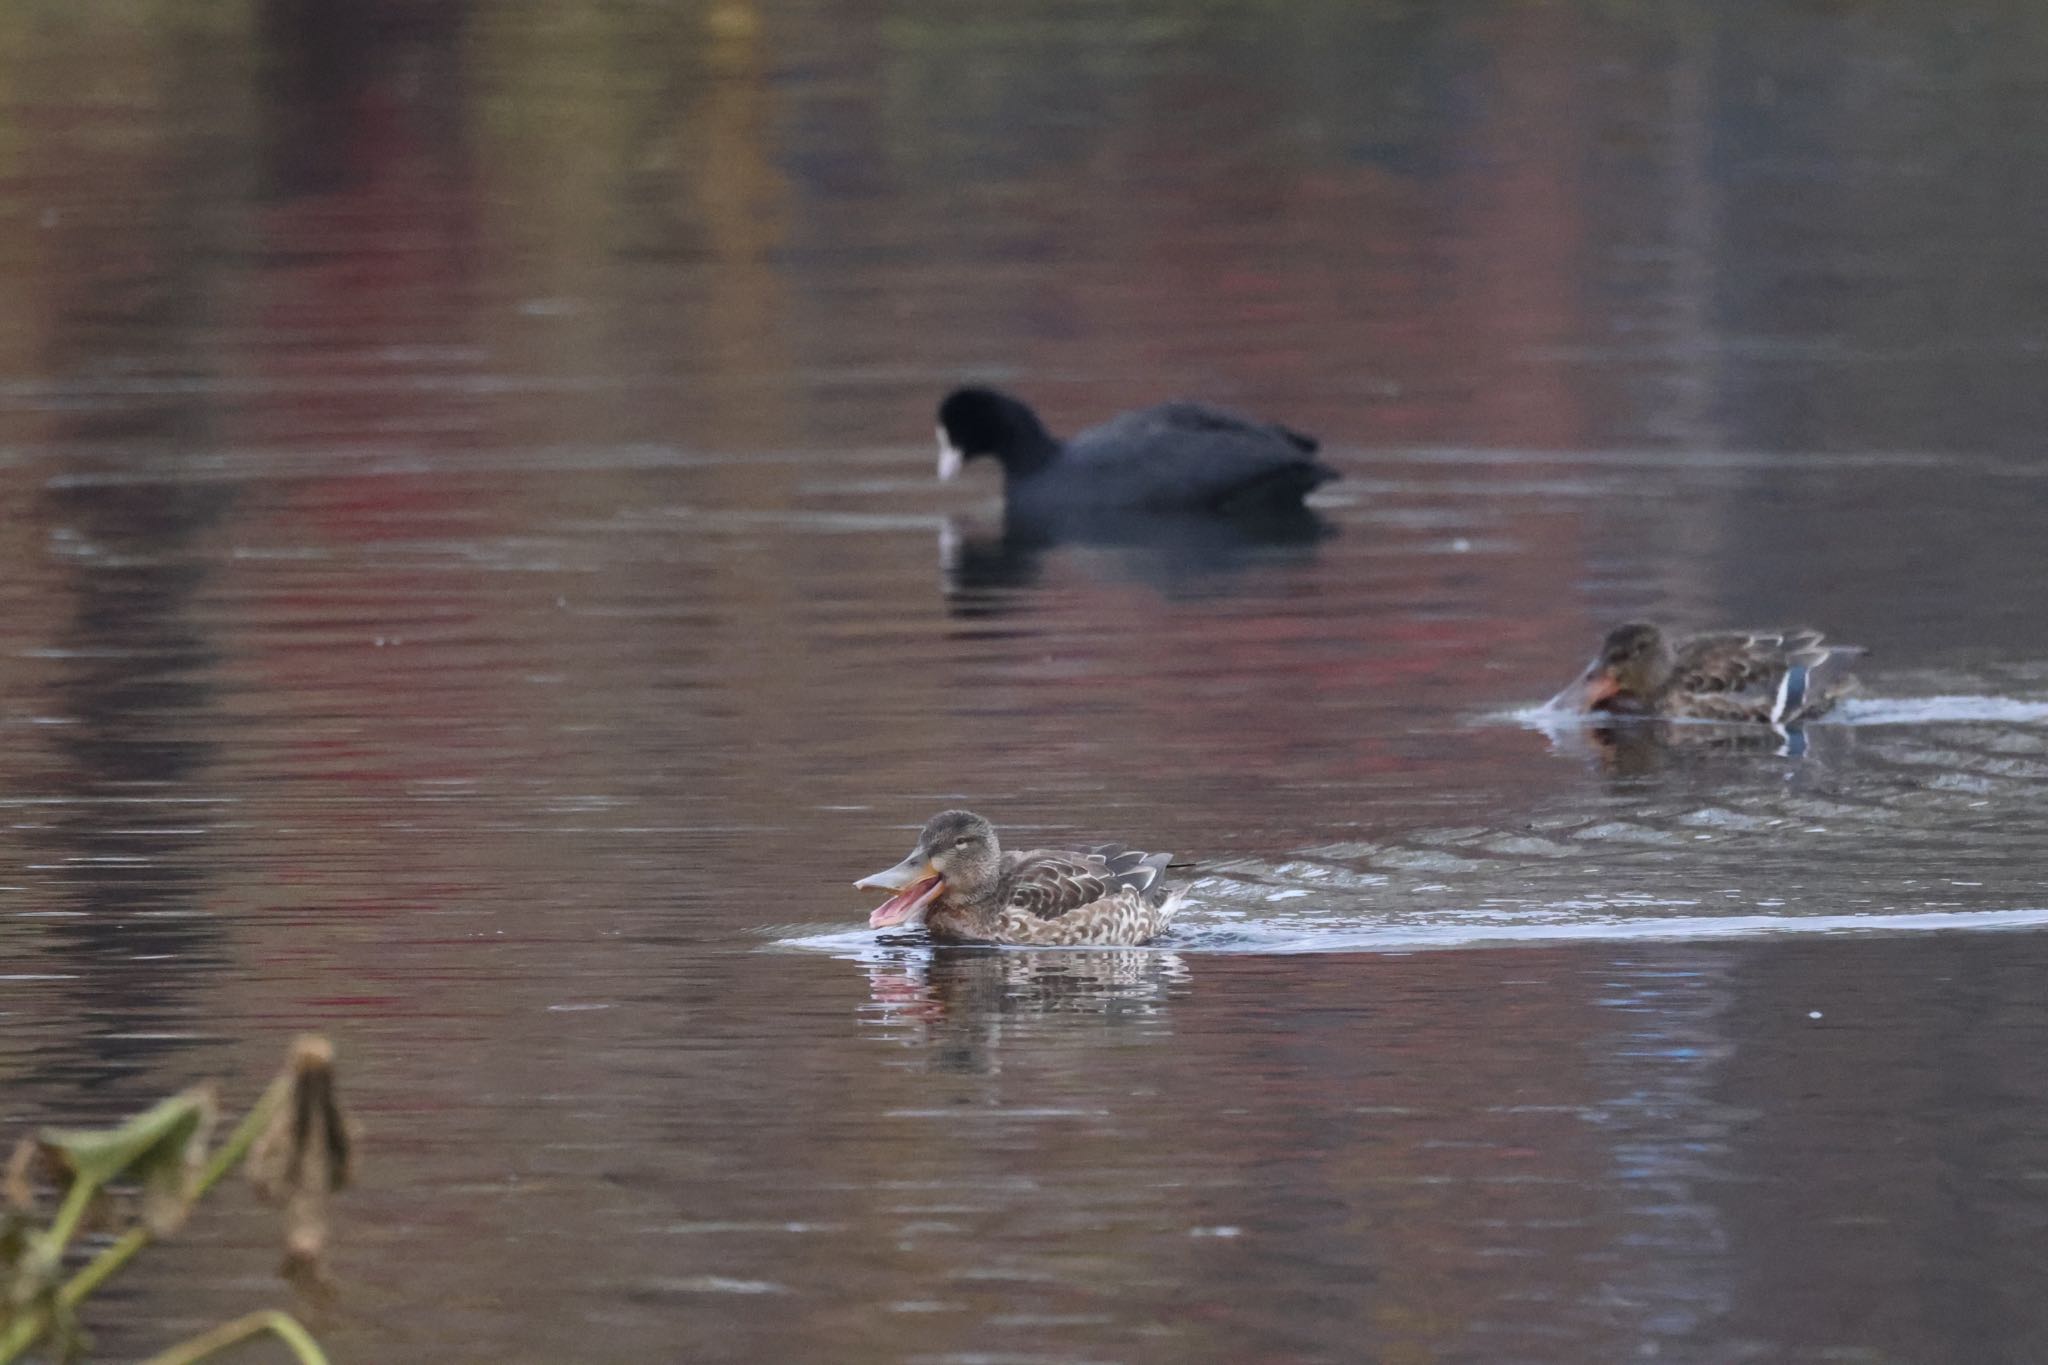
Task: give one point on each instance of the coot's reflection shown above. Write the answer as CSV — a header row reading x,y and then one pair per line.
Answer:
x,y
965,1002
1179,554
126,806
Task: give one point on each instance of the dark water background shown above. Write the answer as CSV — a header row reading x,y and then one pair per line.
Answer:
x,y
471,582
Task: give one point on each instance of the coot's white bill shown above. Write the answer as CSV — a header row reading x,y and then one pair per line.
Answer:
x,y
950,457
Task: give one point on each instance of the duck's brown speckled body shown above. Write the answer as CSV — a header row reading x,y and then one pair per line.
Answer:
x,y
967,890
1767,677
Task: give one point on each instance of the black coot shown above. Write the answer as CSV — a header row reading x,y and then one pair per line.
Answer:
x,y
1175,458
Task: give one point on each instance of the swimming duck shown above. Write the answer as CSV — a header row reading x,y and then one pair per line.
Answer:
x,y
1178,457
1769,677
967,890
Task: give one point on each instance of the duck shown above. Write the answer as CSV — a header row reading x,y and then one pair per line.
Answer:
x,y
1177,458
1768,677
965,889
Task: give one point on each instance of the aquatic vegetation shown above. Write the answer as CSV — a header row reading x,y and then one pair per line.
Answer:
x,y
296,1144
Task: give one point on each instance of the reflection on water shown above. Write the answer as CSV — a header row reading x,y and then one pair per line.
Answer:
x,y
117,814
1640,746
960,1002
470,587
1175,555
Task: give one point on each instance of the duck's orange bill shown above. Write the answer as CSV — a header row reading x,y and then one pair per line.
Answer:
x,y
1598,687
907,902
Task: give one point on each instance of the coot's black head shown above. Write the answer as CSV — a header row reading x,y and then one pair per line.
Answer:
x,y
985,422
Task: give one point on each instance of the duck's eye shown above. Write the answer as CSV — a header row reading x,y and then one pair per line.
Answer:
x,y
963,842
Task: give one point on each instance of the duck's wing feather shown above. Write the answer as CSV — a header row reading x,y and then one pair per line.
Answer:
x,y
1195,456
1130,864
1762,674
1049,883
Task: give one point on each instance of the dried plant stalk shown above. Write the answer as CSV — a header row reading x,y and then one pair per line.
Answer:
x,y
297,1143
304,1154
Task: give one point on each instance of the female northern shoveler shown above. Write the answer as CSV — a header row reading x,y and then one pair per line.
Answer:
x,y
967,890
1771,677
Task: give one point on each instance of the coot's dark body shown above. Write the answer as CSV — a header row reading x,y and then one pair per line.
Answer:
x,y
1175,458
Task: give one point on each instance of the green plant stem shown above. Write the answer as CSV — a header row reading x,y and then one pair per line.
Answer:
x,y
228,1334
135,1239
65,1226
32,1323
29,1327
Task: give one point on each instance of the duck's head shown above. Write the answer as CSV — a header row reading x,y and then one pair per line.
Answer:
x,y
1632,666
956,854
987,422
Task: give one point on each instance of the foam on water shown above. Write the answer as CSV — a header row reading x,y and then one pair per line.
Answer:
x,y
1948,709
1416,933
1925,710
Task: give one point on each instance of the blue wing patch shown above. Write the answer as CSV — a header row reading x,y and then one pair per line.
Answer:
x,y
1791,693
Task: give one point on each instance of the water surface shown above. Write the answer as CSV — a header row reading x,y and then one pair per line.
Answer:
x,y
474,585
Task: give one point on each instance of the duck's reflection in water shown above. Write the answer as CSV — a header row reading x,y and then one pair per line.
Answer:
x,y
964,1003
1178,554
1644,747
